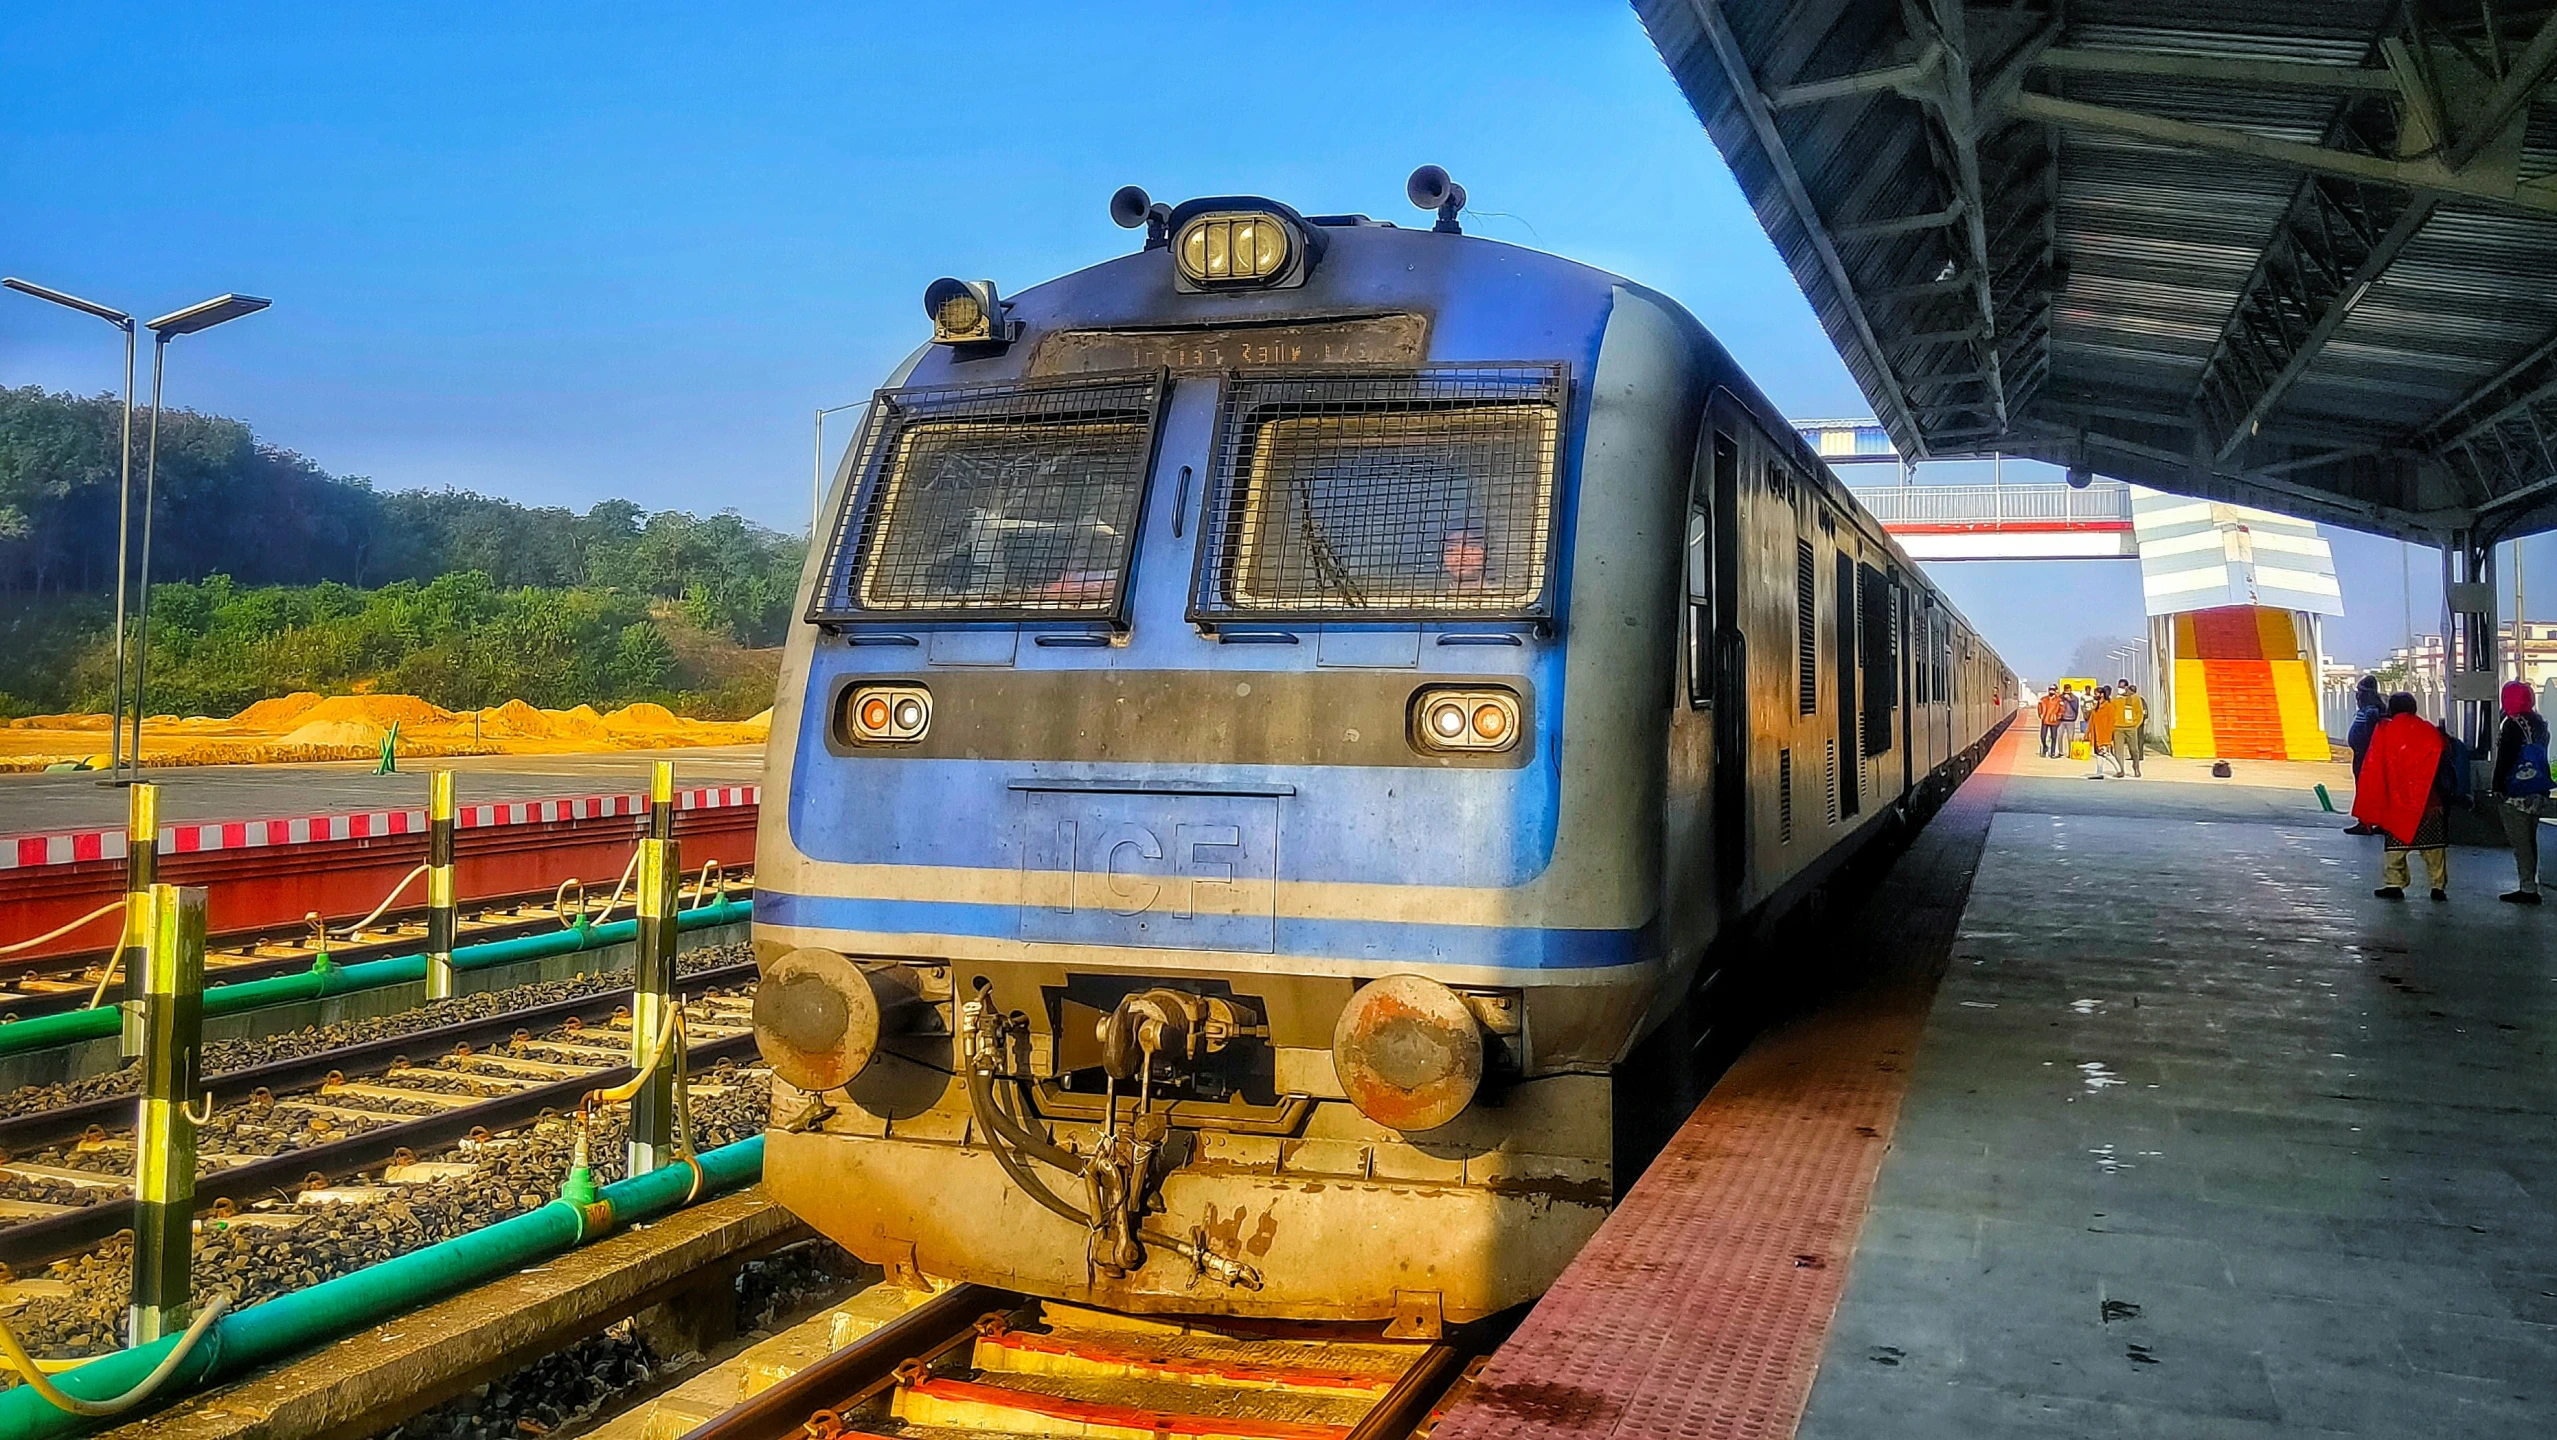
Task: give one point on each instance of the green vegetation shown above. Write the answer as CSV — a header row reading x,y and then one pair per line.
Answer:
x,y
277,576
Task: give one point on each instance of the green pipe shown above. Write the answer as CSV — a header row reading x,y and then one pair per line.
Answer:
x,y
288,1324
46,1031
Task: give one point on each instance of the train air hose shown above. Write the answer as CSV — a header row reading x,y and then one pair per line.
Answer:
x,y
1015,1146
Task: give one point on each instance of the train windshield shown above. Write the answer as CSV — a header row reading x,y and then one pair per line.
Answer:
x,y
993,505
1404,496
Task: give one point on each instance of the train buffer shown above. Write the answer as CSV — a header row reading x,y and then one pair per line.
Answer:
x,y
2141,1116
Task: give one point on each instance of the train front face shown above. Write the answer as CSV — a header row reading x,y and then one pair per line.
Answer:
x,y
1220,854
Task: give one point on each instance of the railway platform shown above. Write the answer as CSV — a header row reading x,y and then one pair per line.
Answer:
x,y
2137,1114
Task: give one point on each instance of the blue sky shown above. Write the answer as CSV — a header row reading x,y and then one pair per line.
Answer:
x,y
572,251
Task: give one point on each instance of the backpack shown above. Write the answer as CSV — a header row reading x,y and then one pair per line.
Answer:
x,y
2530,766
2460,760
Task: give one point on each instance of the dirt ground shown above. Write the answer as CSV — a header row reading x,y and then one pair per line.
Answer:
x,y
352,727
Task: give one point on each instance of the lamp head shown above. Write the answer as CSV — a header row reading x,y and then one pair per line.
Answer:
x,y
58,297
206,314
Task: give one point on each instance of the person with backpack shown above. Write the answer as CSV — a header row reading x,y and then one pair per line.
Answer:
x,y
2367,713
2521,784
2406,786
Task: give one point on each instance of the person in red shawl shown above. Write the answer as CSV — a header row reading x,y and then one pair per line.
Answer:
x,y
2404,789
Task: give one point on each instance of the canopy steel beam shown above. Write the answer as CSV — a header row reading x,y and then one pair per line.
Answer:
x,y
1893,402
2335,241
2217,69
2536,197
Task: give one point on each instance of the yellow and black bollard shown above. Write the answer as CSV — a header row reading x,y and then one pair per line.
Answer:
x,y
439,886
164,1148
141,872
652,1110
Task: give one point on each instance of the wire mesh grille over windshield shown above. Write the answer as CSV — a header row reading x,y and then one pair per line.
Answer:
x,y
1387,496
1018,504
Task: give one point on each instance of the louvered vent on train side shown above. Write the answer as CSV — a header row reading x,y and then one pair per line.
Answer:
x,y
1806,623
1830,779
1784,797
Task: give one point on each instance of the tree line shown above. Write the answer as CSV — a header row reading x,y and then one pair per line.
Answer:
x,y
263,515
272,574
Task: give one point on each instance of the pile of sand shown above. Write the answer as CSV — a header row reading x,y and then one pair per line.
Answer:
x,y
276,713
305,726
59,722
335,733
646,717
382,710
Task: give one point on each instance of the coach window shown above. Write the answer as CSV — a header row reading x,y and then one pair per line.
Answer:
x,y
1725,479
1881,665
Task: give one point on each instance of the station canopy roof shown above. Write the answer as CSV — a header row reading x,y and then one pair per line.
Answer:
x,y
2299,254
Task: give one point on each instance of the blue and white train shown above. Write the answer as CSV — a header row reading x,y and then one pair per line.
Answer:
x,y
1278,718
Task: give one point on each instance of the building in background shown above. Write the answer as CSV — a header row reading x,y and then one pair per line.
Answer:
x,y
2237,600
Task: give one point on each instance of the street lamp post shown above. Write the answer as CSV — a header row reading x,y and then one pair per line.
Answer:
x,y
817,468
203,315
124,499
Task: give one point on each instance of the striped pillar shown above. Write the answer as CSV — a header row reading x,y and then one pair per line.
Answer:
x,y
164,1146
439,886
652,1110
141,872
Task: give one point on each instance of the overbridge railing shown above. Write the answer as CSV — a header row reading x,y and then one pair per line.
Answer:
x,y
2104,504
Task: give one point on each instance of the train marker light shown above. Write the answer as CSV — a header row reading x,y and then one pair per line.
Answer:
x,y
965,312
887,714
1479,721
1409,1052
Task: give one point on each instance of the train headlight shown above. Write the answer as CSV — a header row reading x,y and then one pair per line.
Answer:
x,y
964,312
1480,721
1234,247
887,714
1409,1052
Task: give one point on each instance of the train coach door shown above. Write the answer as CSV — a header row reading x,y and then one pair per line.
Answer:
x,y
1731,679
1904,656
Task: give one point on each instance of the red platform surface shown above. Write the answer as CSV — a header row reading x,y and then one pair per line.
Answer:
x,y
1700,1308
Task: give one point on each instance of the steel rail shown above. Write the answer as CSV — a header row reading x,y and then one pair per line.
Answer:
x,y
782,1411
44,1127
238,971
1400,1411
35,1242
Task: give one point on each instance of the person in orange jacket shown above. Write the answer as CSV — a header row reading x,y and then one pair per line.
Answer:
x,y
2102,718
2054,712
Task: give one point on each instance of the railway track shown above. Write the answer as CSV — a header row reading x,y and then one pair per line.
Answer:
x,y
285,1133
51,985
973,1361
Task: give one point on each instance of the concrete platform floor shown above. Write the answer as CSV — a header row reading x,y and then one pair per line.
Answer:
x,y
2204,1140
47,802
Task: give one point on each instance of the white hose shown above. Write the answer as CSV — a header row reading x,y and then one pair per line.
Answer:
x,y
357,928
32,1371
58,932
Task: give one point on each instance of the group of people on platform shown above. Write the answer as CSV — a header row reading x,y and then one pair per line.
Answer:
x,y
2112,720
2409,773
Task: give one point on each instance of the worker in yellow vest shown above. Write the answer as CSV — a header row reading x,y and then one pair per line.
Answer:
x,y
2129,745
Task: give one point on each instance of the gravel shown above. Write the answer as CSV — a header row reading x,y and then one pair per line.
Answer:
x,y
223,1056
279,1247
580,1382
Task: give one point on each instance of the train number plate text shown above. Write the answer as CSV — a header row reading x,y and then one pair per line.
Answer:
x,y
1179,871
